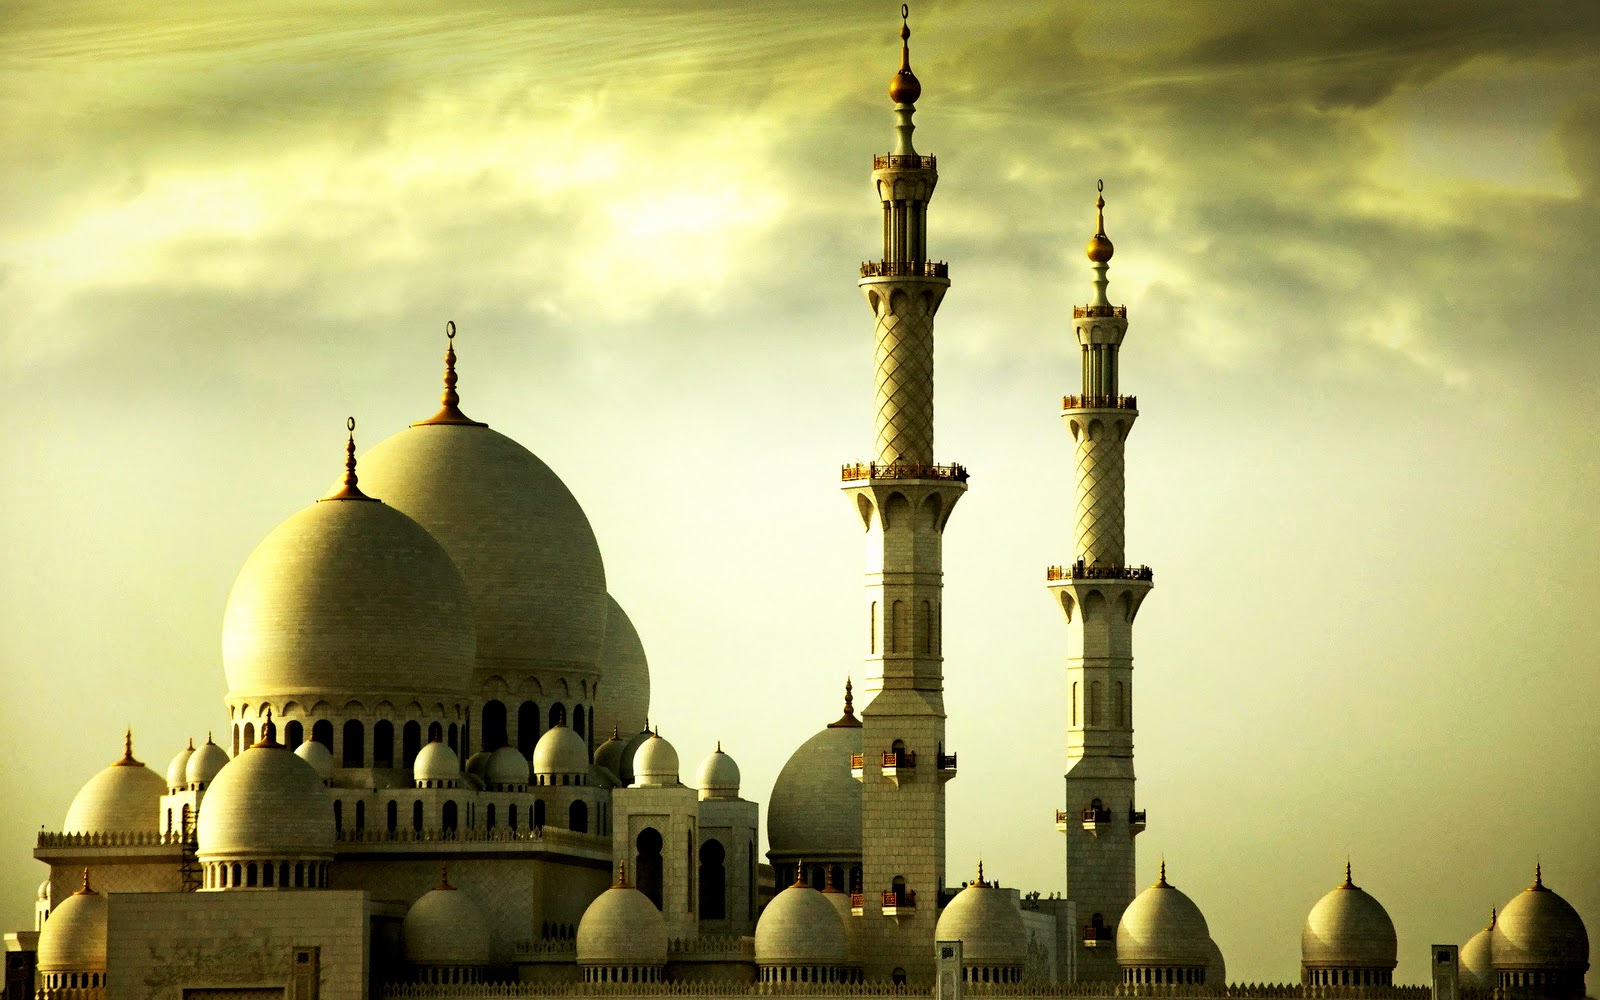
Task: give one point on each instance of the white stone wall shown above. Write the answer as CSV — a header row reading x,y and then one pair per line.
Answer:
x,y
734,823
160,944
673,812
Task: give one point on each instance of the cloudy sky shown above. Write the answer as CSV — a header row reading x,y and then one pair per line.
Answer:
x,y
1358,246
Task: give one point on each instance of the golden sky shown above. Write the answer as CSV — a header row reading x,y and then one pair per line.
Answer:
x,y
1357,242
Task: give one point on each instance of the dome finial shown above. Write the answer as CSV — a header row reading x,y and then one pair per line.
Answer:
x,y
269,734
1349,883
1161,879
1538,875
980,883
719,746
127,760
349,490
1494,916
86,890
1100,248
799,874
444,878
848,720
622,875
450,400
904,87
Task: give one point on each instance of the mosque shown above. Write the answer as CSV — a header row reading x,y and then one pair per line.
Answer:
x,y
437,777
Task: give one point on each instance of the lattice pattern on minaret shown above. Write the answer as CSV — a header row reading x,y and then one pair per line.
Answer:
x,y
1101,520
904,374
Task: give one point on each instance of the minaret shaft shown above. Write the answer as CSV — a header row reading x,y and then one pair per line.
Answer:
x,y
1099,596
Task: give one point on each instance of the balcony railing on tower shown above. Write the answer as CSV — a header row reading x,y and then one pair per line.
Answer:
x,y
1089,312
1080,571
896,901
901,470
904,161
1099,402
905,269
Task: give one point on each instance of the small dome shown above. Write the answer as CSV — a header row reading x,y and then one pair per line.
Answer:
x,y
623,700
318,756
206,763
478,765
988,923
122,798
446,928
1540,930
560,751
622,928
507,767
840,901
609,754
1163,927
815,808
175,770
523,545
719,776
1217,967
44,891
74,938
353,597
655,762
436,762
800,927
1477,959
629,748
1348,929
267,803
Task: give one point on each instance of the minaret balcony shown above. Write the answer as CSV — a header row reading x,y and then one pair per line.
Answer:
x,y
858,763
905,269
1136,820
1094,820
1099,312
901,470
1094,936
899,765
1080,571
947,766
904,161
858,903
901,903
1061,820
1099,402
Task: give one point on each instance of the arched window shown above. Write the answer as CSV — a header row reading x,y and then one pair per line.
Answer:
x,y
897,885
578,818
527,728
558,715
836,877
713,881
410,742
647,863
489,817
355,744
294,734
538,814
435,731
513,817
249,735
322,732
338,816
1094,703
448,819
454,738
361,816
383,743
416,816
392,817
1119,706
925,629
494,726
577,720
250,875
235,741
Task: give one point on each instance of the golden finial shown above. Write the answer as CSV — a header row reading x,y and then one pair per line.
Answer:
x,y
904,88
349,490
622,875
1349,883
980,883
1161,880
1100,248
828,884
191,744
86,890
450,400
444,878
719,746
269,734
126,760
848,720
1538,875
799,874
1494,915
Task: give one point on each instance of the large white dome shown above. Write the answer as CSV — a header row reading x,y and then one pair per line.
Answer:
x,y
1163,927
347,598
815,809
622,928
74,938
122,798
560,751
800,928
267,803
522,543
1348,929
1540,930
1477,959
623,704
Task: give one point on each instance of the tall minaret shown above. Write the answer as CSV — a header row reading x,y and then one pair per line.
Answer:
x,y
904,501
1099,594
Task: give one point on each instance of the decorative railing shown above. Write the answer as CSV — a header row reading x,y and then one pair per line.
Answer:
x,y
904,899
947,762
899,758
1078,571
858,900
547,949
1093,312
1061,816
1099,402
1093,935
140,839
1093,815
858,761
1136,817
905,269
902,470
499,835
721,945
1064,991
904,161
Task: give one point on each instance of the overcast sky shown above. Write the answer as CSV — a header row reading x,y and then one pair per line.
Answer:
x,y
1358,246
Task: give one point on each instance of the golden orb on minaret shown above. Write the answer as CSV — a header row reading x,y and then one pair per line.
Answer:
x,y
1100,248
904,87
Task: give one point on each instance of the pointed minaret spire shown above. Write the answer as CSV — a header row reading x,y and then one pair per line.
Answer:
x,y
349,490
450,400
1349,883
1161,879
904,89
1538,875
127,759
848,720
86,889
